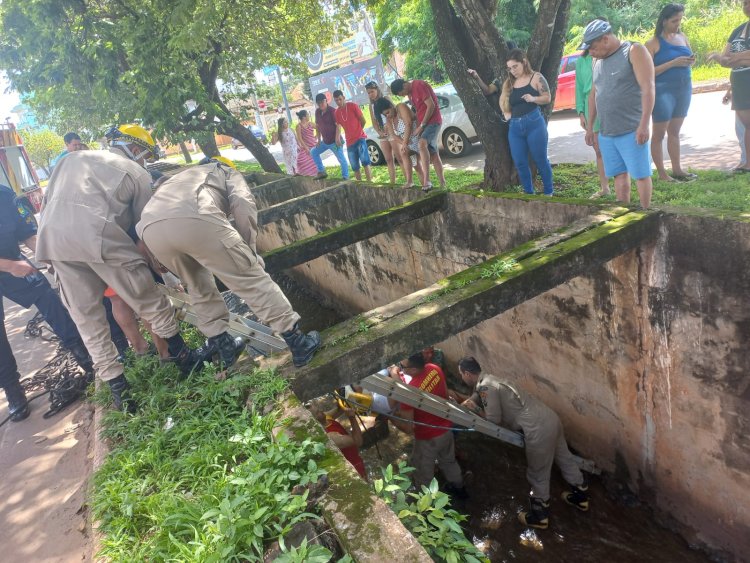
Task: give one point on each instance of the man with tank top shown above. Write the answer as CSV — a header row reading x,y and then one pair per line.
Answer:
x,y
623,99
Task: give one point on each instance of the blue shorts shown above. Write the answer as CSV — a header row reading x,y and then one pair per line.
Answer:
x,y
622,154
672,100
358,153
430,134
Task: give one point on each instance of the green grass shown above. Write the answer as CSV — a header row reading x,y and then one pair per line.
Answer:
x,y
194,476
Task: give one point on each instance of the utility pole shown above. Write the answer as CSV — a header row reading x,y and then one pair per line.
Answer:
x,y
283,96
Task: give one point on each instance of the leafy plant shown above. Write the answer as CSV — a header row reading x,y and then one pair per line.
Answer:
x,y
426,514
498,268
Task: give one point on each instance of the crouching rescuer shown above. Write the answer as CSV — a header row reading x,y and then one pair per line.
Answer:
x,y
186,226
93,198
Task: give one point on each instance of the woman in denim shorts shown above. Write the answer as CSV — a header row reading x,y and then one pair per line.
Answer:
x,y
523,92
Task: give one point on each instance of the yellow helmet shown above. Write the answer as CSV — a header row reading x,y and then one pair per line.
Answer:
x,y
132,134
222,159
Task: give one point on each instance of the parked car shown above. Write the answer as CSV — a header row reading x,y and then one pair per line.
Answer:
x,y
456,135
565,98
257,133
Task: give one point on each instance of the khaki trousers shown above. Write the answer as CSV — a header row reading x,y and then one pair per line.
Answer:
x,y
424,454
196,250
82,286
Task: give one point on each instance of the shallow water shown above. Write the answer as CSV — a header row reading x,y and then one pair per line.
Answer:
x,y
617,531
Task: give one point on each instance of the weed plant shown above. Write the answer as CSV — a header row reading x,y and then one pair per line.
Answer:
x,y
194,476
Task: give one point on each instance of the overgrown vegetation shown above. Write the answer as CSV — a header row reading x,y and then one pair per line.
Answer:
x,y
194,476
426,514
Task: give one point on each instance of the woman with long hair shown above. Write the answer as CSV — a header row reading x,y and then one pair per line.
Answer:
x,y
288,142
523,92
306,141
388,144
673,58
399,123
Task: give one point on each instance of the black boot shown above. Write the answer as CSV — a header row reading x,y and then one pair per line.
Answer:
x,y
18,406
121,394
578,497
185,358
302,346
227,348
79,352
538,514
458,493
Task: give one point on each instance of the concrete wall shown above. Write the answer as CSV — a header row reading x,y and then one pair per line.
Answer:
x,y
646,359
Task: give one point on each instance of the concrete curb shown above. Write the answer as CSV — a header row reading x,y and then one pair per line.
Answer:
x,y
710,86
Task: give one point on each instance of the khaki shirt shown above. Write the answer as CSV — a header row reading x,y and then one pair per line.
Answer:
x,y
211,192
92,199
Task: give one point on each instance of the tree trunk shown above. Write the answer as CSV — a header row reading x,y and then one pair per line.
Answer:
x,y
185,153
207,143
550,65
256,148
461,50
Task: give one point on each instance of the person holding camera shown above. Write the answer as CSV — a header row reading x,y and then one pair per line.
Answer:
x,y
673,57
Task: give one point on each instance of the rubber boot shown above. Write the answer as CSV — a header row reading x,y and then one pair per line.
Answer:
x,y
302,346
578,497
18,406
185,358
227,348
538,514
82,357
458,493
121,394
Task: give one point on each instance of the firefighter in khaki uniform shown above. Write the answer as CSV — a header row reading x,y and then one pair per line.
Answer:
x,y
93,198
506,405
186,227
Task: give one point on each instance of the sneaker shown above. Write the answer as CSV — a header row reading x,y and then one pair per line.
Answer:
x,y
578,497
687,177
537,515
322,175
121,394
427,187
18,405
303,346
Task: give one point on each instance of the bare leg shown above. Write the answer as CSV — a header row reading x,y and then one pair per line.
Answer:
x,y
357,174
368,173
161,345
388,154
744,115
125,317
673,144
645,189
622,187
657,152
424,157
603,180
438,165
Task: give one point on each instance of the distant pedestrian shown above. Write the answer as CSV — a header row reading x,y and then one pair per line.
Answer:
x,y
736,56
329,137
72,142
673,58
349,117
429,122
523,92
288,142
623,98
584,82
388,144
305,142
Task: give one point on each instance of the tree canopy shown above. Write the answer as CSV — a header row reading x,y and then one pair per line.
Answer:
x,y
42,145
172,65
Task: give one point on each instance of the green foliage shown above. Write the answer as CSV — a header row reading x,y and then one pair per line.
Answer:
x,y
428,516
196,477
42,145
498,268
304,554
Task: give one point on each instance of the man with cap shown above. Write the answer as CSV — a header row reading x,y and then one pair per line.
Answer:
x,y
93,199
503,403
623,98
186,226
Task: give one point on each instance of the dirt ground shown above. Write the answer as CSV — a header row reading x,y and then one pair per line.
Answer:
x,y
45,466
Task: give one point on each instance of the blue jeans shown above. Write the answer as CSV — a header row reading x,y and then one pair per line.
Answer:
x,y
335,149
528,134
358,154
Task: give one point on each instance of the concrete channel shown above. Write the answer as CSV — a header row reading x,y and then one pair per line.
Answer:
x,y
632,325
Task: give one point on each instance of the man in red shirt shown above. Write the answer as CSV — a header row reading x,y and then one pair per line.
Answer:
x,y
349,444
429,121
350,117
433,439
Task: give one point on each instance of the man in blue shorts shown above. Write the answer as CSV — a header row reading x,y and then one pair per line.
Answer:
x,y
623,98
349,117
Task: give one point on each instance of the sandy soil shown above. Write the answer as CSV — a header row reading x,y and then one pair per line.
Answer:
x,y
45,466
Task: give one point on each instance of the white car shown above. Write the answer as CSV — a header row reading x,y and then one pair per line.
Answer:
x,y
456,134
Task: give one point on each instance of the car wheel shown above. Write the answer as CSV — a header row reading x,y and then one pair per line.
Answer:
x,y
456,143
376,155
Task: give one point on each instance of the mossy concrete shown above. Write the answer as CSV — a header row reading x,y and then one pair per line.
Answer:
x,y
366,527
361,229
300,204
364,344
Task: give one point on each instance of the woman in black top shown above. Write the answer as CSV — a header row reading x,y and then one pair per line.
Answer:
x,y
736,56
523,92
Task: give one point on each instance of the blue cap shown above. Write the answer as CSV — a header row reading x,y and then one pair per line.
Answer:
x,y
594,31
